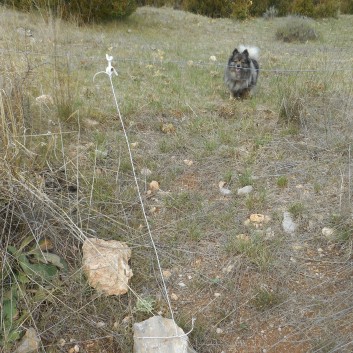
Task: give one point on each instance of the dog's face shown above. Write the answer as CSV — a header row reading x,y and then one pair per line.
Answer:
x,y
239,64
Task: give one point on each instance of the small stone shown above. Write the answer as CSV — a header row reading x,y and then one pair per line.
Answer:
x,y
257,218
245,190
174,297
115,325
213,58
154,185
62,342
217,295
29,342
188,162
225,191
167,274
228,269
219,330
328,233
101,324
182,284
288,224
76,348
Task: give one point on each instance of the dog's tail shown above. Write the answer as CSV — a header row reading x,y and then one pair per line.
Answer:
x,y
254,52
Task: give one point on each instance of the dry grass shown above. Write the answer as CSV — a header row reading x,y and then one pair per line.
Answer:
x,y
65,175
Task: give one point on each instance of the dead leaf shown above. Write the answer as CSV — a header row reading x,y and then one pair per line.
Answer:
x,y
46,244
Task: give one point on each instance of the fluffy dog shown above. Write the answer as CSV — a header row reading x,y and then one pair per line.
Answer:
x,y
242,71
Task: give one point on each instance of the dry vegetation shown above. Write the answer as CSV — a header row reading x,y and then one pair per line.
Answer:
x,y
65,175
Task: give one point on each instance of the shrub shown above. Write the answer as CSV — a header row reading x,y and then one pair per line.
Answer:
x,y
270,13
84,11
259,7
210,8
241,9
303,7
296,28
159,3
326,8
347,6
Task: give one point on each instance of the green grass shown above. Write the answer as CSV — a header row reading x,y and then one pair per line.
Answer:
x,y
298,126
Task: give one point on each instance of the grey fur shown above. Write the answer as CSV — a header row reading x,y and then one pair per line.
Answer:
x,y
242,71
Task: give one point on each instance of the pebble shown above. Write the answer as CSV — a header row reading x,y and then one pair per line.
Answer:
x,y
225,191
245,190
328,233
167,274
288,224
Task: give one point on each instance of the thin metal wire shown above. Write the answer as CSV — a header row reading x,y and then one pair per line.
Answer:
x,y
184,63
110,70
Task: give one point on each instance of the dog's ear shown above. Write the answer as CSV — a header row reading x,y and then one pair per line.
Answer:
x,y
235,51
246,53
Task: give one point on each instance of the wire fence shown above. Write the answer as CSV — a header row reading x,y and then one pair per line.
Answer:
x,y
332,66
159,249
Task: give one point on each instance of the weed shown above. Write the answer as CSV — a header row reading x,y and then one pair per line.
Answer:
x,y
265,298
296,209
256,201
227,177
245,178
253,247
342,226
270,13
183,201
282,181
145,305
296,28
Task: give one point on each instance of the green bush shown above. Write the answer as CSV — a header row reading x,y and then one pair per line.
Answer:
x,y
296,29
241,9
84,11
210,8
270,13
303,7
259,7
347,6
159,3
326,8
